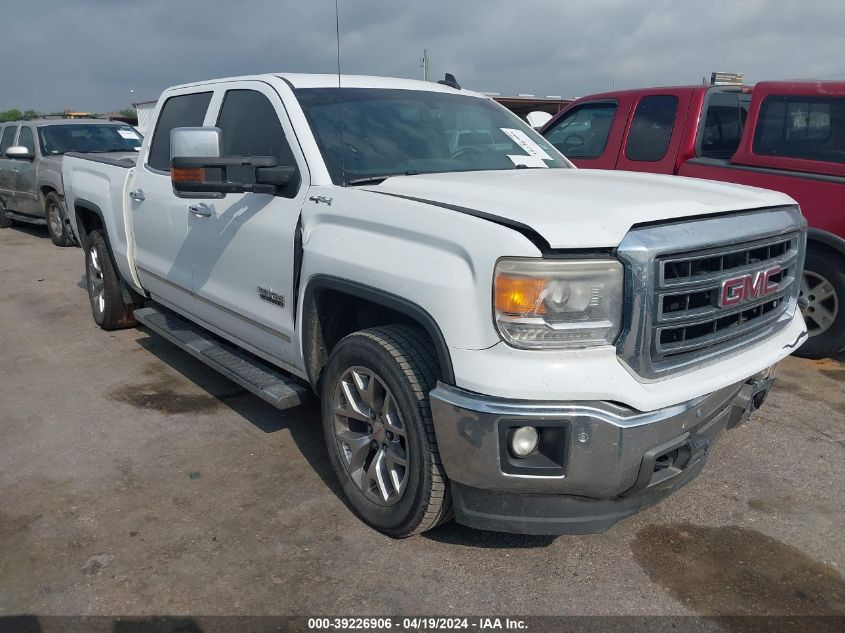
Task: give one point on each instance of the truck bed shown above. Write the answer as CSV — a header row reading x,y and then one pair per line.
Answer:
x,y
98,184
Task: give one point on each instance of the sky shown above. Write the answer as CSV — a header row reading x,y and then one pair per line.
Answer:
x,y
100,55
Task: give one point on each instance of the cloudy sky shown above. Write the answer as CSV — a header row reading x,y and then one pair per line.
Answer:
x,y
90,54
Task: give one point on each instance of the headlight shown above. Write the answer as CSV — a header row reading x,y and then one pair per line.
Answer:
x,y
544,303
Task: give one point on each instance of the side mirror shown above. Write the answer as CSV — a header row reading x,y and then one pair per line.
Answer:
x,y
19,152
538,119
198,170
197,142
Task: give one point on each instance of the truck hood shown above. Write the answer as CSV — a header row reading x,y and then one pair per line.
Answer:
x,y
57,158
579,208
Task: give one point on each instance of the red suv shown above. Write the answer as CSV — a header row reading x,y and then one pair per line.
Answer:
x,y
787,136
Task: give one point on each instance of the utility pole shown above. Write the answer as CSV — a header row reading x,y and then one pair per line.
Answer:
x,y
424,64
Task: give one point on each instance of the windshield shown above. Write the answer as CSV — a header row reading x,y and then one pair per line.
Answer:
x,y
96,138
391,132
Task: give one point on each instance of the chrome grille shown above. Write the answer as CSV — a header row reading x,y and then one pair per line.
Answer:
x,y
674,275
687,315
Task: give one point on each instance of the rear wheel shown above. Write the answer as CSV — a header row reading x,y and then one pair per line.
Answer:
x,y
110,310
822,294
379,431
56,225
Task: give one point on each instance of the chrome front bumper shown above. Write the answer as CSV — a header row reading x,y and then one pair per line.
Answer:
x,y
597,452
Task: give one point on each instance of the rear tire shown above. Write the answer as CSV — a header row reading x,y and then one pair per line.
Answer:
x,y
108,307
56,225
379,431
823,287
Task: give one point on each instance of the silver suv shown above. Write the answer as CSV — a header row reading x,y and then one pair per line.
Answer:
x,y
31,188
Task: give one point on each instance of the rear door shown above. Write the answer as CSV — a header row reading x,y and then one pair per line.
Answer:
x,y
243,245
7,177
159,218
654,132
24,170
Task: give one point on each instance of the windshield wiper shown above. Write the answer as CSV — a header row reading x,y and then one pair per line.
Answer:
x,y
368,180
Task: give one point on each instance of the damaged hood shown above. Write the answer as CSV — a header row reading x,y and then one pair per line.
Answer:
x,y
579,208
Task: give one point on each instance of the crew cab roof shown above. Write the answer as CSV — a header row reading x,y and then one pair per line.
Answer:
x,y
303,80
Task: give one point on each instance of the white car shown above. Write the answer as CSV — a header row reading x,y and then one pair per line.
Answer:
x,y
493,333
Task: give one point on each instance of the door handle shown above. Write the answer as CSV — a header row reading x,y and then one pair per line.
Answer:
x,y
137,195
15,170
201,209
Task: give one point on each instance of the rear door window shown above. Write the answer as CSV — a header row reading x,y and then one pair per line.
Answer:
x,y
651,128
810,128
583,131
8,139
180,111
723,124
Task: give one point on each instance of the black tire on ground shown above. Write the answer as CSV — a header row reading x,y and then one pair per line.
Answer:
x,y
823,287
110,310
401,357
5,221
57,227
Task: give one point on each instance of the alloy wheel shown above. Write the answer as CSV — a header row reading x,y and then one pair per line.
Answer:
x,y
821,304
370,435
96,285
55,219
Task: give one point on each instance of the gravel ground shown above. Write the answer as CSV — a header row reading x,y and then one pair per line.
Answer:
x,y
135,481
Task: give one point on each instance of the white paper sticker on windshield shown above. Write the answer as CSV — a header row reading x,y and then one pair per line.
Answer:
x,y
524,141
128,134
527,161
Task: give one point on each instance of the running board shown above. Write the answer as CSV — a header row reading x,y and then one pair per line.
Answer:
x,y
268,383
23,217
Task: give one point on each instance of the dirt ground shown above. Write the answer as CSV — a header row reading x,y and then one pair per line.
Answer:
x,y
135,481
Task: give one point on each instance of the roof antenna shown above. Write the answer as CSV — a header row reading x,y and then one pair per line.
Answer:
x,y
339,99
449,80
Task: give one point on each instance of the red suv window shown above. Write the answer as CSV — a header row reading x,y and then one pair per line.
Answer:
x,y
651,128
810,128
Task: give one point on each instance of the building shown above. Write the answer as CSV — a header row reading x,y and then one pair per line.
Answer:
x,y
144,110
522,105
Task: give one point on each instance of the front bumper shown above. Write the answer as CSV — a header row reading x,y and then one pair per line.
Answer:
x,y
598,462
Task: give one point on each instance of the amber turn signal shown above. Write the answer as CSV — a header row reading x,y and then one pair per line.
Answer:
x,y
187,174
520,295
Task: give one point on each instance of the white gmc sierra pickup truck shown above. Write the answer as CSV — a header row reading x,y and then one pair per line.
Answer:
x,y
493,333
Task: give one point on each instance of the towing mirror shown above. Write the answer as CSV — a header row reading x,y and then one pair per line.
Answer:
x,y
20,152
198,142
197,170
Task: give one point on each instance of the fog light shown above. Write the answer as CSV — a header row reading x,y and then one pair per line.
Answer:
x,y
524,441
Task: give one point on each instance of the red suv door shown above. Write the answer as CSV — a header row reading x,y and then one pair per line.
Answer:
x,y
654,132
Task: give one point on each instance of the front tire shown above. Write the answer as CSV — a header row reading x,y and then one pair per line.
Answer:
x,y
56,225
108,307
823,289
379,431
5,221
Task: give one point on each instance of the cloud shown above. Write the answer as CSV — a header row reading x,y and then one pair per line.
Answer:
x,y
89,54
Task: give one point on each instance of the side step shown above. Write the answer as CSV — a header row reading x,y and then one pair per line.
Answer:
x,y
29,219
266,382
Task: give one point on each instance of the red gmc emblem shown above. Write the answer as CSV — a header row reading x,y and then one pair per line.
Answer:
x,y
748,287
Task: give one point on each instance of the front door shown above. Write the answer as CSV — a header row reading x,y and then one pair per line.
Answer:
x,y
26,193
159,218
242,245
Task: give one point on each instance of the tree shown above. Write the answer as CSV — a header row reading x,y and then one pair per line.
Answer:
x,y
10,115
